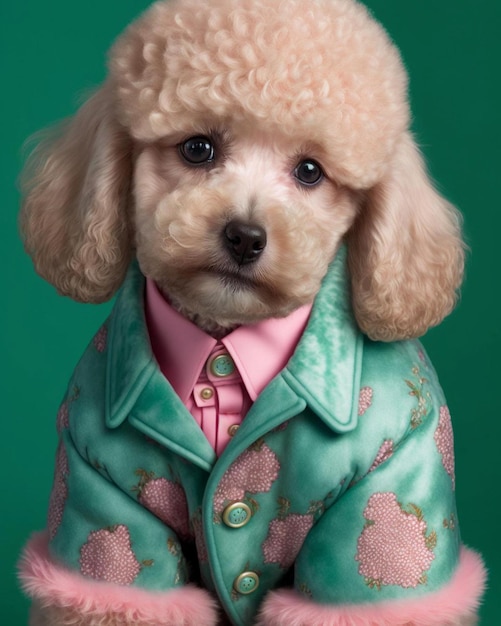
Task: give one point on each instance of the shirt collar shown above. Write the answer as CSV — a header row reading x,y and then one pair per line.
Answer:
x,y
331,343
260,351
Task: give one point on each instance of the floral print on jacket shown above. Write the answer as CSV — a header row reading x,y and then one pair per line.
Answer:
x,y
328,475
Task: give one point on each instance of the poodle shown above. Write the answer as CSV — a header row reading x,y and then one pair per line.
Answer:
x,y
255,435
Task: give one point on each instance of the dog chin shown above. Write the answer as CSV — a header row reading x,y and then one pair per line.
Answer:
x,y
235,282
218,301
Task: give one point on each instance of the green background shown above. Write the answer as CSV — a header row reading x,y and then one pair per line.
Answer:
x,y
53,52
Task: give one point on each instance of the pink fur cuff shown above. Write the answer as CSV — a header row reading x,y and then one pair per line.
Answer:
x,y
52,585
452,605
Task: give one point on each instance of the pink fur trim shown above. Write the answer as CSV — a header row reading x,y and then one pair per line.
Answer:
x,y
53,585
457,600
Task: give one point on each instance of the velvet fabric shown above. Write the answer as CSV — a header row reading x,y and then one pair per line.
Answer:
x,y
455,604
345,462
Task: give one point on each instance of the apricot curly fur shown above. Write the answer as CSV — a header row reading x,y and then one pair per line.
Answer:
x,y
74,215
406,254
110,183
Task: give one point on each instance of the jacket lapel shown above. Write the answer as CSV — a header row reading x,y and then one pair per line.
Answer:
x,y
325,369
323,374
136,389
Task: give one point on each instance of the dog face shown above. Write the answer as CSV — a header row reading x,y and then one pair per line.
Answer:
x,y
233,146
227,76
236,227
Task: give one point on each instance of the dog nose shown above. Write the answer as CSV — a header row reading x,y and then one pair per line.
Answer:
x,y
244,241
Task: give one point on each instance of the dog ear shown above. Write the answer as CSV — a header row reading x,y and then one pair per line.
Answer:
x,y
74,218
406,255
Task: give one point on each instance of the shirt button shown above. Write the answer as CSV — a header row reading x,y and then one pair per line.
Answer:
x,y
222,366
246,583
232,430
206,393
237,515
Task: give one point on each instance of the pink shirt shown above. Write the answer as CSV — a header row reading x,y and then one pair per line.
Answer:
x,y
219,380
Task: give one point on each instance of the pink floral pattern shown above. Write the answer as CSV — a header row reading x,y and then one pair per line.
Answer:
x,y
63,417
108,556
444,439
286,533
59,492
100,339
254,471
164,498
364,399
384,453
393,548
63,414
285,539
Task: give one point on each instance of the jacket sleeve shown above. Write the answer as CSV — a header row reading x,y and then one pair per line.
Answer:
x,y
105,558
388,551
63,597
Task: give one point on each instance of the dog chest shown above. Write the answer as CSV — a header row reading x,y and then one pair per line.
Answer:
x,y
347,423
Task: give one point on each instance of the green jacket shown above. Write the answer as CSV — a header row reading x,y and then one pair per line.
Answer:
x,y
339,482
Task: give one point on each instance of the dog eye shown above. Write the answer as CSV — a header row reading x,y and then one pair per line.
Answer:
x,y
308,173
197,150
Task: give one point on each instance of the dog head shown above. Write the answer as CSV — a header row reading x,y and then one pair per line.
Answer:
x,y
234,145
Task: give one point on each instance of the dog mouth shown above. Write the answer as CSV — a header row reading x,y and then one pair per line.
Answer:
x,y
236,280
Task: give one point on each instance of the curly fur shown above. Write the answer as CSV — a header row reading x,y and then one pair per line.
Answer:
x,y
74,218
111,183
64,616
86,602
405,251
334,76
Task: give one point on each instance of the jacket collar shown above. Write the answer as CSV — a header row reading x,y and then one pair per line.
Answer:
x,y
136,390
260,351
331,343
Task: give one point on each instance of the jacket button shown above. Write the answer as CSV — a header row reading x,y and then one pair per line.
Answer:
x,y
232,430
206,393
237,514
222,366
246,583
